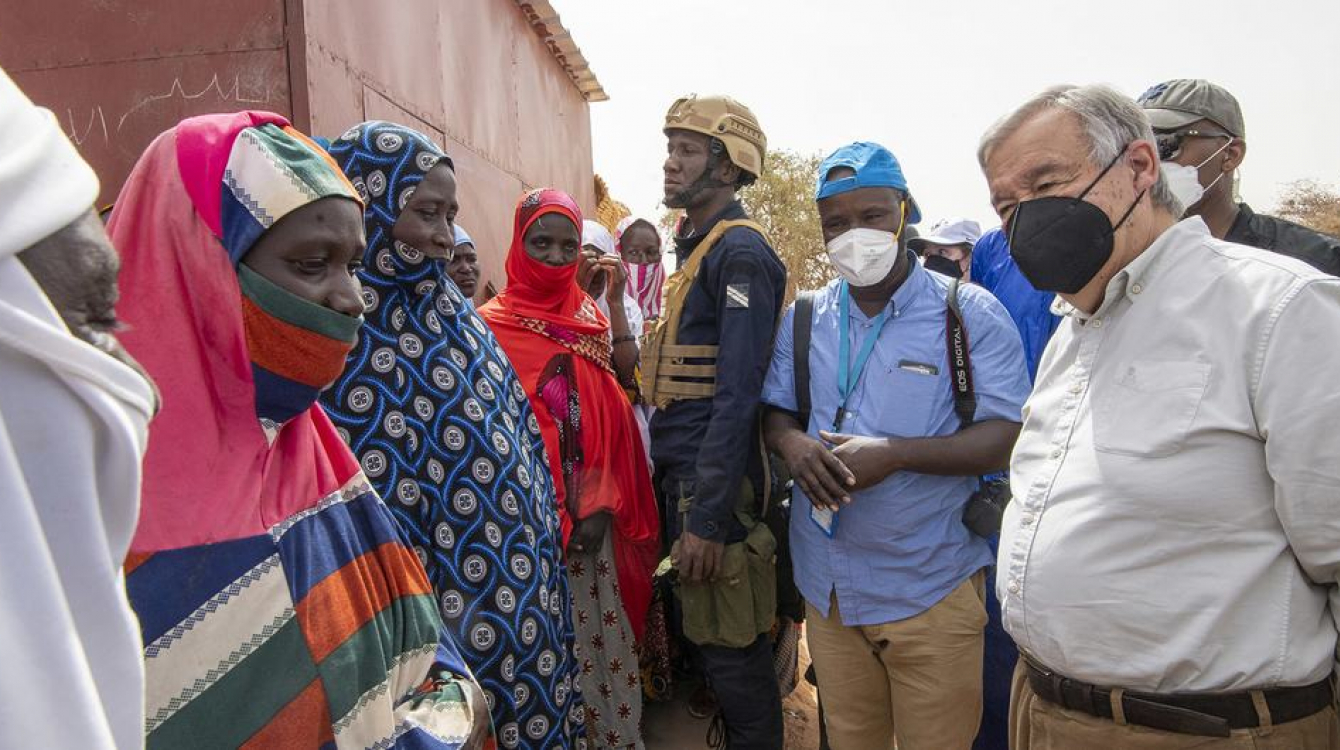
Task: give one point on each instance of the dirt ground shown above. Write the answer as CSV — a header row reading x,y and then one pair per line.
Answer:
x,y
668,726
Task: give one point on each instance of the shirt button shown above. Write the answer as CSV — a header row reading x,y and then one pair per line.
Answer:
x,y
1136,288
1027,519
1098,323
1077,388
1056,453
1013,588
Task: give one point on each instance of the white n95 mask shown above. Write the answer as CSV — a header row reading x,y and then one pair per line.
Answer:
x,y
1184,179
863,256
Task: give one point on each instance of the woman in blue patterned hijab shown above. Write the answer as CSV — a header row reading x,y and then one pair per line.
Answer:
x,y
443,430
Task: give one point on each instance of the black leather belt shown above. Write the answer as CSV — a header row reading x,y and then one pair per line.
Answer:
x,y
1203,714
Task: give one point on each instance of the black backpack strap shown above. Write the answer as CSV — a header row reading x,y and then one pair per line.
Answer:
x,y
960,363
801,326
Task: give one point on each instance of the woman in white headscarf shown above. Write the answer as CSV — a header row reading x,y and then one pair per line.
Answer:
x,y
73,423
597,241
463,268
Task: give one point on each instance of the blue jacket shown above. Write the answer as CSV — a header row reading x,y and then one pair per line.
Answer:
x,y
1031,310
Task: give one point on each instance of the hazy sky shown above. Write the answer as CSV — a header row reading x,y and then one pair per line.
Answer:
x,y
927,78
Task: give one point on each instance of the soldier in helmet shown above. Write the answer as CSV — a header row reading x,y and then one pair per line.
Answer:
x,y
703,368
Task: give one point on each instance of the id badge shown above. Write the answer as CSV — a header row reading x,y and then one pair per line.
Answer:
x,y
825,519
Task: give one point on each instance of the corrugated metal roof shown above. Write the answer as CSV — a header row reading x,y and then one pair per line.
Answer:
x,y
545,22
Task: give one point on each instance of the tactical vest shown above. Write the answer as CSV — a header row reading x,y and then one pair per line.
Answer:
x,y
666,378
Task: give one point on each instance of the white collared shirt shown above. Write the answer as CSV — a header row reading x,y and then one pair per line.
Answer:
x,y
1176,520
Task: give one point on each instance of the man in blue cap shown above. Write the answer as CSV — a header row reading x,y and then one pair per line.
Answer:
x,y
885,464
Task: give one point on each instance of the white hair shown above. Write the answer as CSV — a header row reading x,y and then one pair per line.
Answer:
x,y
1111,121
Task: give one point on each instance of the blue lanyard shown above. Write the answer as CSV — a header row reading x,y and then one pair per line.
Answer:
x,y
849,374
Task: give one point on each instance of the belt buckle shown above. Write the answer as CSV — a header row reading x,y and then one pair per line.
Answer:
x,y
1051,677
1035,665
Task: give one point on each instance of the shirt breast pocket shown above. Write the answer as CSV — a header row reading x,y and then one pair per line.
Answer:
x,y
905,402
1148,410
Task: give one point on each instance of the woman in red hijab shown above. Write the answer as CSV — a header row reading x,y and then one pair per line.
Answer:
x,y
559,343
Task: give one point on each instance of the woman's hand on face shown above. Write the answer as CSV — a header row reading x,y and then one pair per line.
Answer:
x,y
616,274
588,265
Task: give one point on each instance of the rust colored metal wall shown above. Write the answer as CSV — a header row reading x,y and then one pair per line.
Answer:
x,y
475,75
116,74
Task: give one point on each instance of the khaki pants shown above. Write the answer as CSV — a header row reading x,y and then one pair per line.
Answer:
x,y
1036,724
918,679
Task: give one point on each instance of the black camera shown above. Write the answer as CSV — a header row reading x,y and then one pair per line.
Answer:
x,y
986,507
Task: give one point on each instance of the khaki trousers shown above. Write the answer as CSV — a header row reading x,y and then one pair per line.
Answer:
x,y
1036,724
919,679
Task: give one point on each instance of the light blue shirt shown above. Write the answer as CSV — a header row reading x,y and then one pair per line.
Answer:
x,y
900,546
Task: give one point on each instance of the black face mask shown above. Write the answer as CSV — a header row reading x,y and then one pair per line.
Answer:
x,y
1060,244
941,264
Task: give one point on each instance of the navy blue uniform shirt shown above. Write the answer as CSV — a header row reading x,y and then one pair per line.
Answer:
x,y
713,442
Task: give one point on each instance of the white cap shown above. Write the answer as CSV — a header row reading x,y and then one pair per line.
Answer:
x,y
595,234
462,236
44,183
954,231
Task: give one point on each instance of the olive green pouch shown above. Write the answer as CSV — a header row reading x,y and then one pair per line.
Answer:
x,y
742,603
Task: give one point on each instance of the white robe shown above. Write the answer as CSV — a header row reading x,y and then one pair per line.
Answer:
x,y
73,426
72,434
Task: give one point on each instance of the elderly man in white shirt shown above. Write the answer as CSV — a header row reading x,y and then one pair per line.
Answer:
x,y
1168,565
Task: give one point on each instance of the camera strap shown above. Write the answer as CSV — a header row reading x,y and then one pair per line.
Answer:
x,y
802,326
960,363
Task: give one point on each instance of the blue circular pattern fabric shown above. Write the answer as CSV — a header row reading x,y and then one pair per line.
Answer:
x,y
444,431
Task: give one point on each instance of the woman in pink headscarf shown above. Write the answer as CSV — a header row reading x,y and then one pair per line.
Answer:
x,y
279,604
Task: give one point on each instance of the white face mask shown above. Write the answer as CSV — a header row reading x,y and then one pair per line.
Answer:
x,y
863,256
1184,179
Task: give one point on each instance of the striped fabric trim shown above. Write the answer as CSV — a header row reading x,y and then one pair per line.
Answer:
x,y
364,660
215,603
356,487
168,586
446,722
323,643
205,681
245,699
251,172
271,429
342,604
320,547
408,727
229,627
414,663
303,723
437,715
272,171
294,310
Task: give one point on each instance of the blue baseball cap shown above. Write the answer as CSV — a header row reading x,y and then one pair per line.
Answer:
x,y
874,165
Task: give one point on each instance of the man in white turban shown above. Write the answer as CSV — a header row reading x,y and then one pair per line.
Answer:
x,y
74,412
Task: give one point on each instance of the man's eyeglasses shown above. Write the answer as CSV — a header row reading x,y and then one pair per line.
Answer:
x,y
1170,144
